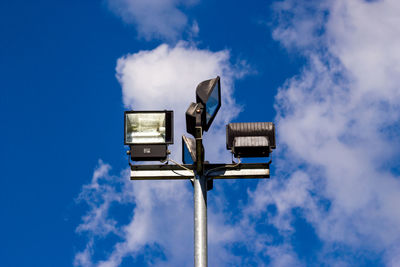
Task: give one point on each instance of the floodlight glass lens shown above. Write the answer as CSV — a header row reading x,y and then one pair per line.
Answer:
x,y
212,103
145,128
187,157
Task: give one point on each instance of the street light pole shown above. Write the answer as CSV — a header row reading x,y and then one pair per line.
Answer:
x,y
200,202
200,221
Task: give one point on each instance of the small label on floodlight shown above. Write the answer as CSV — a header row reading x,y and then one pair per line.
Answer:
x,y
146,150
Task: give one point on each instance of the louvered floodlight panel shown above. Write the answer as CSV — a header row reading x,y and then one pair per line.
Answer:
x,y
250,129
245,141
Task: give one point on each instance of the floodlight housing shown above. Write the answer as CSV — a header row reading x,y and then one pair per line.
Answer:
x,y
148,133
208,93
191,115
250,139
188,150
202,113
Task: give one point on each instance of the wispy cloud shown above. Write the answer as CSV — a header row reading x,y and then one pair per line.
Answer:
x,y
338,123
154,207
159,19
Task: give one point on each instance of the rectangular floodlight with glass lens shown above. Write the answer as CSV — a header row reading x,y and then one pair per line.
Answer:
x,y
148,127
208,93
250,139
148,133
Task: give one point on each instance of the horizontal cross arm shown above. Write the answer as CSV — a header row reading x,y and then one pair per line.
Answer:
x,y
213,171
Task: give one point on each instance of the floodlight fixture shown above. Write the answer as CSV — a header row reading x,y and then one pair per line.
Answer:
x,y
208,93
208,102
148,133
188,150
250,139
193,118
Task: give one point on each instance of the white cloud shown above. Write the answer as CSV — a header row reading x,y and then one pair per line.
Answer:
x,y
299,23
162,19
161,214
338,119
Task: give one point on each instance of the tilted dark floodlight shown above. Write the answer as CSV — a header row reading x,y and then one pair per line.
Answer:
x,y
148,133
188,150
208,93
250,139
208,98
191,119
189,156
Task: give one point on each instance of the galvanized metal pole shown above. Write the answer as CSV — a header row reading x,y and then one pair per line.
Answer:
x,y
200,221
200,202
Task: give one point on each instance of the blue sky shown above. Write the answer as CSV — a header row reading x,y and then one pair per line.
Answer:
x,y
326,72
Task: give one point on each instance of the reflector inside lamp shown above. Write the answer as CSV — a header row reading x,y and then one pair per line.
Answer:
x,y
145,128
